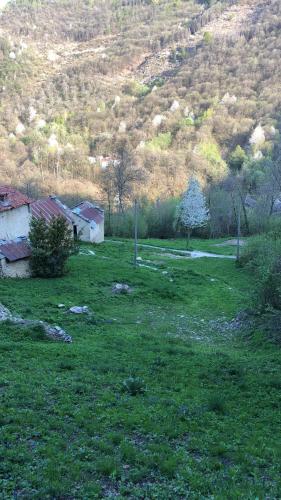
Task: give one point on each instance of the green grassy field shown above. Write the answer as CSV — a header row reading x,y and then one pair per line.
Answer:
x,y
205,419
204,245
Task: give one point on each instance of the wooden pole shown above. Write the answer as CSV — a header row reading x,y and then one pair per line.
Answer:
x,y
238,231
136,235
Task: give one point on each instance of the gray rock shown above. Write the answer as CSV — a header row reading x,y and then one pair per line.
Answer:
x,y
121,288
53,332
56,333
4,313
79,310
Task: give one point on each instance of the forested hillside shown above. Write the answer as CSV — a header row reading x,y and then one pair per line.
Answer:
x,y
170,88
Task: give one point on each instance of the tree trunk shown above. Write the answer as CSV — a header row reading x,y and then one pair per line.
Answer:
x,y
188,238
109,216
245,213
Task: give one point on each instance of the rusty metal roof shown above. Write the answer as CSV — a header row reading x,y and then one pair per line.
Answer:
x,y
15,250
11,198
49,208
89,212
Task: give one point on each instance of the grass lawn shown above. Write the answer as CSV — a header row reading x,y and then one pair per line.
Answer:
x,y
203,245
199,419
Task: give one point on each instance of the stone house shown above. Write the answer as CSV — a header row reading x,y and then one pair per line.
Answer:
x,y
14,258
52,207
89,221
15,214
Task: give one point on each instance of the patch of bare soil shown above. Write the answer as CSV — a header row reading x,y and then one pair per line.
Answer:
x,y
232,243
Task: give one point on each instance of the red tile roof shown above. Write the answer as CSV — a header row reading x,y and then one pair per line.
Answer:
x,y
15,250
89,212
49,208
11,198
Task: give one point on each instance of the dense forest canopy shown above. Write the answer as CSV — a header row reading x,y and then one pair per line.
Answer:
x,y
165,88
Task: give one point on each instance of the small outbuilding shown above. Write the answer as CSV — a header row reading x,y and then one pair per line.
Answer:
x,y
14,258
89,220
51,207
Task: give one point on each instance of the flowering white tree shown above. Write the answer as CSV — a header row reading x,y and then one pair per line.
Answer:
x,y
192,210
257,138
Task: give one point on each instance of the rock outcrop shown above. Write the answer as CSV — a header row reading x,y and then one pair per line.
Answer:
x,y
52,331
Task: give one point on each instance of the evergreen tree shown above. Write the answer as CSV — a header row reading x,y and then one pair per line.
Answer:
x,y
192,211
51,247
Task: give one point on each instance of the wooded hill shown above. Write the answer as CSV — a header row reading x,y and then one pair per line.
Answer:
x,y
170,87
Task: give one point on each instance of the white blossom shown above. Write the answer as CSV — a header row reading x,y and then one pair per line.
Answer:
x,y
122,127
192,211
258,136
53,142
157,120
229,99
117,101
20,128
175,106
40,123
52,56
258,155
32,113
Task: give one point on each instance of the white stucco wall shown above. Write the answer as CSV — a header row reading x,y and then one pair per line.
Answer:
x,y
97,233
83,228
87,233
18,269
14,223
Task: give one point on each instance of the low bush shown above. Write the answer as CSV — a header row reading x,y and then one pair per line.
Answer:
x,y
263,256
217,404
134,386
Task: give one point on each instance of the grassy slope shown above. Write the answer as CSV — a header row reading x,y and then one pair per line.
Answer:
x,y
208,421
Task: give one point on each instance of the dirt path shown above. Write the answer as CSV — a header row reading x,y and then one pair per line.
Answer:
x,y
194,254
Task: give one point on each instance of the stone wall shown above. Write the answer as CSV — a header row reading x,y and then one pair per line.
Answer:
x,y
15,223
18,269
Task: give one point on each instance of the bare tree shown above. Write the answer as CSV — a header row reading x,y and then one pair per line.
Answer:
x,y
126,174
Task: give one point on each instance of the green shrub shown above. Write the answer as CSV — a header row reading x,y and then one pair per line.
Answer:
x,y
161,142
263,256
136,89
51,247
217,404
107,466
134,386
208,37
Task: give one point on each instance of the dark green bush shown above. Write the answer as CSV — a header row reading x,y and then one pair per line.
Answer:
x,y
134,386
263,256
51,247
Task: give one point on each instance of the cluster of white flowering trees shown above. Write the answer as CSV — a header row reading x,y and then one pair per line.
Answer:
x,y
192,210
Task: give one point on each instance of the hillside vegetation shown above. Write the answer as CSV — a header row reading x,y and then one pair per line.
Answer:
x,y
176,85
